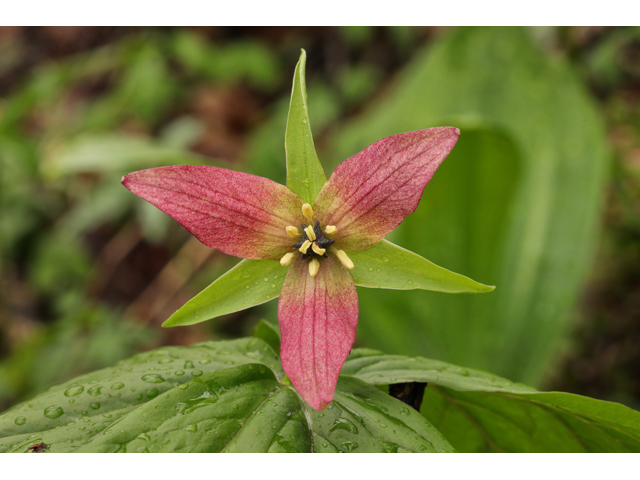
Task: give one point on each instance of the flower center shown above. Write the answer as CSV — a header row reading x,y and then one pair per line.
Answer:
x,y
313,243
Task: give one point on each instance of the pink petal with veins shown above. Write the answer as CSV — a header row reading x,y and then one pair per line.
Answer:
x,y
237,213
371,193
318,317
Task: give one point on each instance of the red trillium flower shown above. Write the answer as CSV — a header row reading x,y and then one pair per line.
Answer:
x,y
311,228
252,217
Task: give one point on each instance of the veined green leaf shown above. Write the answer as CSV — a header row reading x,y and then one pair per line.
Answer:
x,y
362,418
534,422
378,368
480,412
305,176
386,265
249,283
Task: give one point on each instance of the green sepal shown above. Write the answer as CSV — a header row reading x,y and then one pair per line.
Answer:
x,y
249,283
305,176
386,265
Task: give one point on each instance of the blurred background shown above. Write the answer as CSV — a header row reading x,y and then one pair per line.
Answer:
x,y
541,195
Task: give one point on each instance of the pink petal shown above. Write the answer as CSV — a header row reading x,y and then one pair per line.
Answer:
x,y
318,317
237,213
369,194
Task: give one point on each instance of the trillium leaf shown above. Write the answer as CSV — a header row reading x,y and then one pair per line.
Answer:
x,y
386,265
211,397
535,422
229,396
66,416
480,412
249,283
305,176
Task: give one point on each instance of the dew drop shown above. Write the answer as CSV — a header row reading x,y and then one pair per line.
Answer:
x,y
266,279
95,405
73,390
152,393
183,386
117,386
385,259
179,372
196,373
54,411
371,269
188,364
152,378
246,275
273,285
349,446
344,424
192,428
144,436
20,421
71,400
404,411
165,360
378,270
464,372
94,391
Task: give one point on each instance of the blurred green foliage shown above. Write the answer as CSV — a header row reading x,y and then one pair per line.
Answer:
x,y
89,272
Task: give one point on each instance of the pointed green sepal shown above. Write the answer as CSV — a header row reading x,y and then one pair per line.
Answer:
x,y
249,283
305,176
386,265
269,333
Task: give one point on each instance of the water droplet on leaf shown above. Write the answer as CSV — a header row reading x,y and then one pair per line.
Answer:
x,y
152,378
54,411
20,421
73,390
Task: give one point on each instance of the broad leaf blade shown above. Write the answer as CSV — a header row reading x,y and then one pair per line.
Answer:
x,y
243,409
537,422
378,368
386,265
249,283
305,176
364,419
67,415
480,412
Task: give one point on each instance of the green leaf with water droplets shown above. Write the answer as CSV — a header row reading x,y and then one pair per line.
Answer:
x,y
305,176
377,368
386,265
480,412
66,415
362,418
249,283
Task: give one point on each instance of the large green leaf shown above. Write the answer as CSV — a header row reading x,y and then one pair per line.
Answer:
x,y
212,397
480,412
516,204
305,176
249,283
386,265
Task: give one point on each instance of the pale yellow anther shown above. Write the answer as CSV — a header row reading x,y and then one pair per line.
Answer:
x,y
305,246
314,266
330,229
344,259
287,259
310,233
292,232
317,249
307,211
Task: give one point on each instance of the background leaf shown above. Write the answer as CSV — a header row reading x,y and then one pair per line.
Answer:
x,y
516,204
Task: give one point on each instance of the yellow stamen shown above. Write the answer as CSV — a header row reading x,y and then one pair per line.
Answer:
x,y
330,230
307,211
344,259
305,246
318,250
287,259
314,266
310,233
293,231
